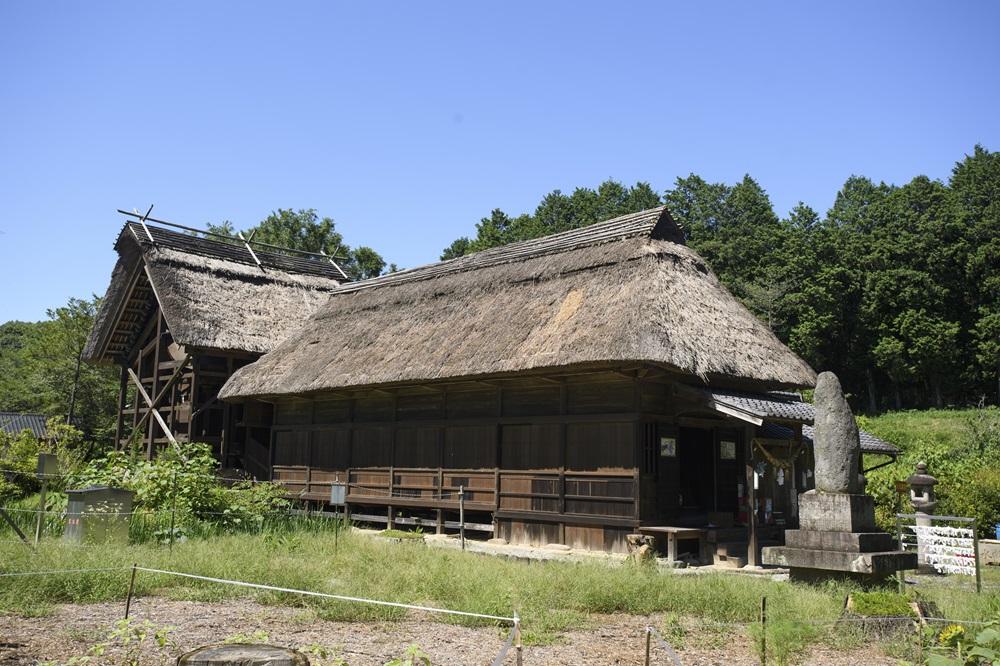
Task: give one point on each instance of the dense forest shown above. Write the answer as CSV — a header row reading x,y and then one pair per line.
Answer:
x,y
896,288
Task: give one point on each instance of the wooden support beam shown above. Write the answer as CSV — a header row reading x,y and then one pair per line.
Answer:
x,y
163,391
152,408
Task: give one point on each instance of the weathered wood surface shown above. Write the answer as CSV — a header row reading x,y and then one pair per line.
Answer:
x,y
240,654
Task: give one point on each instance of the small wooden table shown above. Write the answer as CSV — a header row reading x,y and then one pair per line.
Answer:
x,y
675,534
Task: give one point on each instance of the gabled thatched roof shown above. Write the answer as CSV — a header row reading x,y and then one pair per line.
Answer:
x,y
625,290
213,294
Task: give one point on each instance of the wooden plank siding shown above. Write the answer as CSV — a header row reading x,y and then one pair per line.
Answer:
x,y
554,459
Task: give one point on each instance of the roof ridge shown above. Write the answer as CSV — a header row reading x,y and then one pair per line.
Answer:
x,y
619,228
217,249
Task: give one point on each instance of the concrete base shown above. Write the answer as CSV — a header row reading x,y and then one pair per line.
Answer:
x,y
878,564
838,539
836,512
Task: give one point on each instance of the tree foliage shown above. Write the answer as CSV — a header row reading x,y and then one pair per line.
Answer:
x,y
39,368
305,230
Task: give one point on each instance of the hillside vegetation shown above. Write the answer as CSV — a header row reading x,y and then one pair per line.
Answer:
x,y
962,450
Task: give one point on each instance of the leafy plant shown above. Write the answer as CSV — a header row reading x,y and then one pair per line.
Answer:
x,y
413,656
954,649
123,645
258,636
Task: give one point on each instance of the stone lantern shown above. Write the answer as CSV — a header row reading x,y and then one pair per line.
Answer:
x,y
924,501
922,495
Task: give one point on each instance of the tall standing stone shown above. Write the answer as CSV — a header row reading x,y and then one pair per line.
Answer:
x,y
836,442
837,535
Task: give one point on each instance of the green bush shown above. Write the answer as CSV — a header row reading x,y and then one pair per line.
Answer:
x,y
183,479
961,449
19,454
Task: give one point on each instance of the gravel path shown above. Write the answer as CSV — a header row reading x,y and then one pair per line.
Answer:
x,y
612,639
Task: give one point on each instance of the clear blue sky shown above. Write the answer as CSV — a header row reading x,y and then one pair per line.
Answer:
x,y
407,122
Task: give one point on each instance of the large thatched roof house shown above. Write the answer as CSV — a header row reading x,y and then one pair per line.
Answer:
x,y
182,312
576,388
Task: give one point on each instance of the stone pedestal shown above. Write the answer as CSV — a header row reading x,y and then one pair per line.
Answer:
x,y
838,539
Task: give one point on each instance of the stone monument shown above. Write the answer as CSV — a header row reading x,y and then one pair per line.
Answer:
x,y
837,535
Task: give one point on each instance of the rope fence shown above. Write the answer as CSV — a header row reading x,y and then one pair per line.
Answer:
x,y
652,637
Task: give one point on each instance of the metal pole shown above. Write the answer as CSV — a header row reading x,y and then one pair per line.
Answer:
x,y
461,514
336,529
763,631
517,639
649,636
41,510
131,588
173,509
975,553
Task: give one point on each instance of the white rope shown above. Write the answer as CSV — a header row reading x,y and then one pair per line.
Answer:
x,y
59,571
338,597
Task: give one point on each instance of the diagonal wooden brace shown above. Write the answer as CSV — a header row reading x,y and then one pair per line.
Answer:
x,y
163,391
152,406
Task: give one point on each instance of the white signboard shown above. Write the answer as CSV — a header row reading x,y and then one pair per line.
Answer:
x,y
949,550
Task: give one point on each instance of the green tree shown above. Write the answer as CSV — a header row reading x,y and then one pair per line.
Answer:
x,y
42,371
458,248
305,230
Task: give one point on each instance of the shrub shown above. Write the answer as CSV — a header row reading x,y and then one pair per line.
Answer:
x,y
183,478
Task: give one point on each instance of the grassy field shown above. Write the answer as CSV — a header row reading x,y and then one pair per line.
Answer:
x,y
549,596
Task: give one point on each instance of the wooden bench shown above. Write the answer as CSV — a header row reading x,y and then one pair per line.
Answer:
x,y
675,534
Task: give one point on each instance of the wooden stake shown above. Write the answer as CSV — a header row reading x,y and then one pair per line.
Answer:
x,y
763,631
517,639
649,637
131,588
41,510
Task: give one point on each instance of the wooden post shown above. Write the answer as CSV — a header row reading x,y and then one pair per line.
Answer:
x,y
975,553
649,637
173,508
763,631
517,639
120,416
751,481
461,514
131,588
41,510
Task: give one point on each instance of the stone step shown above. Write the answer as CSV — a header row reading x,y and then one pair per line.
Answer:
x,y
853,542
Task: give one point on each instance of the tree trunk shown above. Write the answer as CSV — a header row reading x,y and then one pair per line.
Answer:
x,y
872,402
898,398
938,400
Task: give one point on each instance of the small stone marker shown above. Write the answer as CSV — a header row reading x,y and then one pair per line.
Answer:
x,y
243,654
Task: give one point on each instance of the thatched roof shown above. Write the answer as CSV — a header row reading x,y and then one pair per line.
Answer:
x,y
213,294
625,290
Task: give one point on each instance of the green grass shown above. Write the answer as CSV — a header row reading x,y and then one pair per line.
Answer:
x,y
549,596
401,534
916,429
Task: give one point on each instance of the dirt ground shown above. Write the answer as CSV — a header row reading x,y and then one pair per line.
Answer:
x,y
612,639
